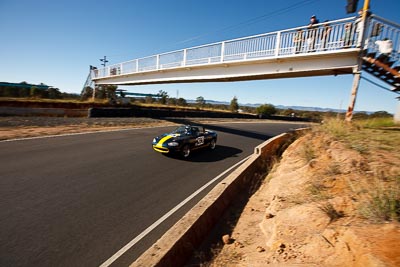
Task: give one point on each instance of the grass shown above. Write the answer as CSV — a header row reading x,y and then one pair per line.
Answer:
x,y
359,147
377,123
337,128
308,153
364,136
383,205
318,191
378,141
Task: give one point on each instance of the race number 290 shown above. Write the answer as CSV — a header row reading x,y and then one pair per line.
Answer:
x,y
199,140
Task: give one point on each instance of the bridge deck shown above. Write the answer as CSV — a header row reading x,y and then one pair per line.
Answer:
x,y
331,48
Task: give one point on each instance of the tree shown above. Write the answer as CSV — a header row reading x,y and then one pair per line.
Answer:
x,y
106,91
172,101
87,93
200,101
361,115
34,92
23,92
149,99
54,93
181,102
70,96
266,110
248,109
288,112
163,97
234,106
8,91
381,114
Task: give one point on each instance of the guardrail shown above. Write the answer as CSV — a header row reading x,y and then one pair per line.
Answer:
x,y
327,36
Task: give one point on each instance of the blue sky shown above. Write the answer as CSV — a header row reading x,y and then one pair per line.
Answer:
x,y
54,42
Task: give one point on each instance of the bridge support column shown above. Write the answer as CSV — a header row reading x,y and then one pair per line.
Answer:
x,y
354,90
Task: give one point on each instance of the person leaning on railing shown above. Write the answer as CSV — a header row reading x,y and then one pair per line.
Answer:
x,y
359,27
312,33
326,33
298,40
348,35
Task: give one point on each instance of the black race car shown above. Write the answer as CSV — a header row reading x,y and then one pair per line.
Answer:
x,y
184,139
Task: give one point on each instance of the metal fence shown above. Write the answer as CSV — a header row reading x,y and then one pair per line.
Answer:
x,y
381,29
321,38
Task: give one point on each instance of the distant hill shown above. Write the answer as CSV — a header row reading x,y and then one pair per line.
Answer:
x,y
319,109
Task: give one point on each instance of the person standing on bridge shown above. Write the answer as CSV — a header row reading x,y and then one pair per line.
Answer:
x,y
359,24
325,36
312,33
298,40
359,27
348,35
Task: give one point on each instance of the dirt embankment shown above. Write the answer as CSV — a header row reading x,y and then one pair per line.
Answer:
x,y
327,203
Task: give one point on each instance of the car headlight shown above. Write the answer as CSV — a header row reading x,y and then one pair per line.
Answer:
x,y
154,140
173,144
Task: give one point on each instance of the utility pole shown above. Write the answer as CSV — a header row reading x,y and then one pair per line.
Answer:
x,y
104,60
357,72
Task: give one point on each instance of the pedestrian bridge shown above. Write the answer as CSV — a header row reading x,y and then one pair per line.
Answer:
x,y
329,48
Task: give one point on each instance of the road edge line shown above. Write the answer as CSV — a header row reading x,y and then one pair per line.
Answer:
x,y
175,247
120,252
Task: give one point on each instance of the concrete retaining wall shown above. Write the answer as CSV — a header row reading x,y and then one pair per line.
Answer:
x,y
176,246
162,113
114,112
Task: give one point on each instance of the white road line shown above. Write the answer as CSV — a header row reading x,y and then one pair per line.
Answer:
x,y
163,218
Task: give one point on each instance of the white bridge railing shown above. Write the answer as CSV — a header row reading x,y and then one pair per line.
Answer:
x,y
321,38
380,29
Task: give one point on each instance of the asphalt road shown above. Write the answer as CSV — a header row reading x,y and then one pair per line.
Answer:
x,y
76,200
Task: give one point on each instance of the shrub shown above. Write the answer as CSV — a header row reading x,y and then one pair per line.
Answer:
x,y
384,205
266,110
332,213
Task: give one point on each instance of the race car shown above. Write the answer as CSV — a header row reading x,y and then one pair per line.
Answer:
x,y
185,139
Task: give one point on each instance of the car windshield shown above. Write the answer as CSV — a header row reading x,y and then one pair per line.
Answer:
x,y
181,130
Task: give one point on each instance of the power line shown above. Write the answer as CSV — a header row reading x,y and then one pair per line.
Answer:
x,y
376,84
253,20
248,22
